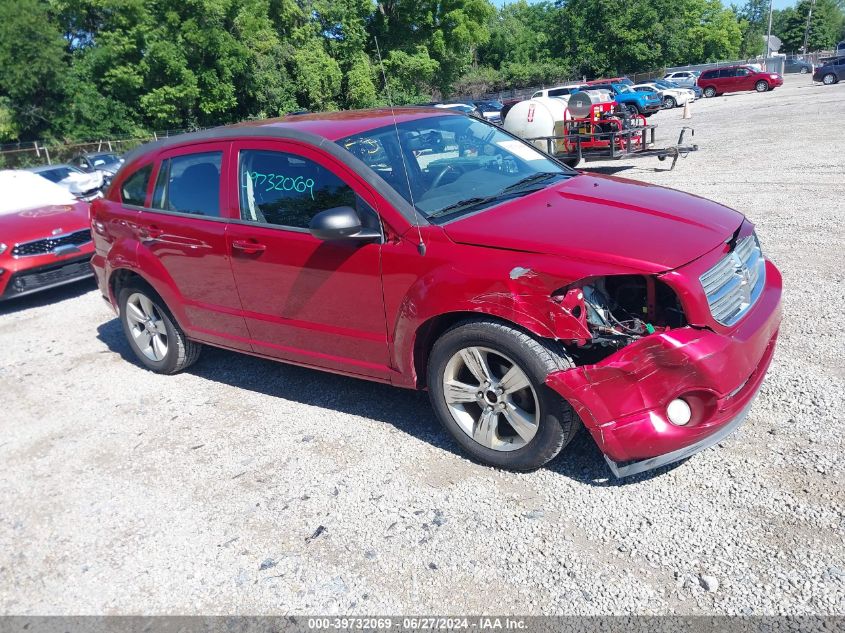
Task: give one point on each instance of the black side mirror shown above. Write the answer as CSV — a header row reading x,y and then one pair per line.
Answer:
x,y
341,223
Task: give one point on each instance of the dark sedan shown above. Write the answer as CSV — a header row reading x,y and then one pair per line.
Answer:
x,y
796,65
831,72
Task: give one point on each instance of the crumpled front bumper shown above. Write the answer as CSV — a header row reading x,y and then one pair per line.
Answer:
x,y
622,400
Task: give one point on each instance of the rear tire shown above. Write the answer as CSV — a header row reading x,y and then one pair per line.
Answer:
x,y
709,92
829,79
761,86
570,162
498,407
803,70
153,334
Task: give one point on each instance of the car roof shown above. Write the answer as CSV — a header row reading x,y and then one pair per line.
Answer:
x,y
337,125
313,128
318,129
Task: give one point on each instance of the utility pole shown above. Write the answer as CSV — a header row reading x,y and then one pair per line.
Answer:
x,y
768,34
807,30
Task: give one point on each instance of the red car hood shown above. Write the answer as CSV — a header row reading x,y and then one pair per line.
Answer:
x,y
607,219
33,224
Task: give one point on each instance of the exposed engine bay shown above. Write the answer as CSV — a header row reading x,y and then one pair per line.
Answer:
x,y
618,311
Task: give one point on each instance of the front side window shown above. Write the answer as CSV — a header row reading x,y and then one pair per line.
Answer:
x,y
742,72
288,190
134,189
189,184
449,165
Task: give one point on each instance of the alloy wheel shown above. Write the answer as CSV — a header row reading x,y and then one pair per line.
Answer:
x,y
762,86
828,79
710,92
491,398
147,326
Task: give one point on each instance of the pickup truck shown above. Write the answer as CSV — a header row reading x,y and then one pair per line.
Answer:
x,y
634,102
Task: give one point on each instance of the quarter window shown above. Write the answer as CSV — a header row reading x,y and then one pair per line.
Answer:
x,y
288,190
189,184
134,189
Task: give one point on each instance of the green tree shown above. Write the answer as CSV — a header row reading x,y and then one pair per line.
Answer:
x,y
826,24
450,31
33,63
754,23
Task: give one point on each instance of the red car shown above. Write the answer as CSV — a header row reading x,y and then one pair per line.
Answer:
x,y
436,251
45,239
718,81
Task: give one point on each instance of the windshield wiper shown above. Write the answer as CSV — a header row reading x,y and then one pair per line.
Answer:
x,y
463,204
509,191
535,177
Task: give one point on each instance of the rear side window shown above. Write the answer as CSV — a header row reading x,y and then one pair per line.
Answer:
x,y
287,190
189,184
134,189
727,72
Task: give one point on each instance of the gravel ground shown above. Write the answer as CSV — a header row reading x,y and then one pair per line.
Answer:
x,y
246,486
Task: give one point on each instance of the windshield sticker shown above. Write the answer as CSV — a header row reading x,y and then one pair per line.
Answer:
x,y
518,149
280,182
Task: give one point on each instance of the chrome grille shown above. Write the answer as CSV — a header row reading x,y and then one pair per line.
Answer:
x,y
733,285
48,244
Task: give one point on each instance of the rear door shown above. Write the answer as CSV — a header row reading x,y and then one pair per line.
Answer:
x,y
305,300
184,228
727,80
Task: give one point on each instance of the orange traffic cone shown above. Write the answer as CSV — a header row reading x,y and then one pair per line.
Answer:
x,y
687,113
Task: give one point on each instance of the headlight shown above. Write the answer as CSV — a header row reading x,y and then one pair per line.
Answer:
x,y
773,76
3,248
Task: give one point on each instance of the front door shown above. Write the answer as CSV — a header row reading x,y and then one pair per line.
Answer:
x,y
744,79
305,300
184,228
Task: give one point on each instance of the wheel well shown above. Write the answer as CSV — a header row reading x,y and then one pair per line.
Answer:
x,y
432,329
120,278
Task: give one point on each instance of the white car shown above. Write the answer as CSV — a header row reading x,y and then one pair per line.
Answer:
x,y
671,97
82,185
559,91
683,77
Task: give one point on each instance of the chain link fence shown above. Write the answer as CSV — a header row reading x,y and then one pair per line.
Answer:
x,y
23,155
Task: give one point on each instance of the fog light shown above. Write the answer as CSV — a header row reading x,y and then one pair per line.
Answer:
x,y
679,412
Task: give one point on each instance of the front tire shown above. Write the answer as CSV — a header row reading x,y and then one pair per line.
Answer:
x,y
761,86
486,382
803,70
709,92
153,334
669,103
829,79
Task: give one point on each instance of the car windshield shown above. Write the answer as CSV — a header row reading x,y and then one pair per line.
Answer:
x,y
623,88
103,159
454,164
57,174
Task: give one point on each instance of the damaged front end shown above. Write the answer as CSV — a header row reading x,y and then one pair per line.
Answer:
x,y
651,387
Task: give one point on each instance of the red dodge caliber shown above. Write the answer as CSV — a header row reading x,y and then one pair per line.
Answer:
x,y
431,250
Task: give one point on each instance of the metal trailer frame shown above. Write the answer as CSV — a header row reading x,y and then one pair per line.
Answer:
x,y
618,144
